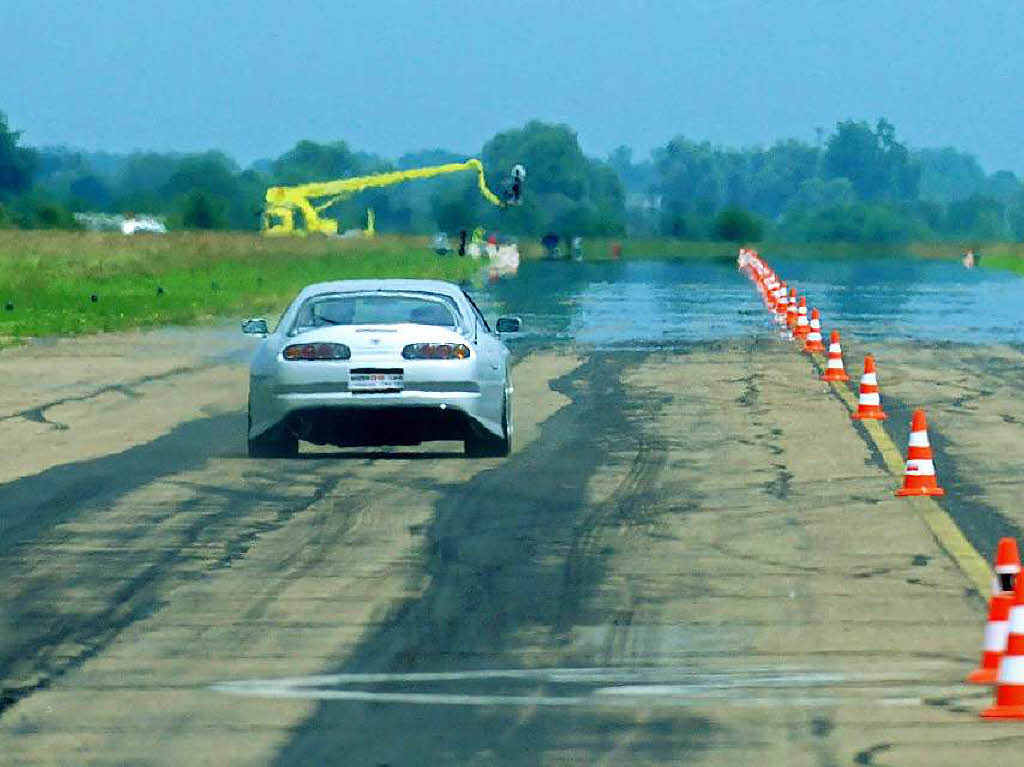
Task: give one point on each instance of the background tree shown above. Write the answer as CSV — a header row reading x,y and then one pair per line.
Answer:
x,y
948,174
566,192
202,210
776,173
863,185
878,166
16,163
309,161
733,224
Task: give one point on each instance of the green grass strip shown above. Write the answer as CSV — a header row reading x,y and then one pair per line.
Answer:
x,y
47,279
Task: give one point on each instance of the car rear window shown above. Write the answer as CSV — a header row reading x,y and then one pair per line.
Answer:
x,y
374,309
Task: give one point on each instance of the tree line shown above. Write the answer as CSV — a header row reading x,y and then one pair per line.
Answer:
x,y
859,184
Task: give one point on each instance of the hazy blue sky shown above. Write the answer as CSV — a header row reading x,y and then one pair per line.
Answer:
x,y
252,76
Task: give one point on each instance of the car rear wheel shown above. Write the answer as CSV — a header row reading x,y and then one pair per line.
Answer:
x,y
273,443
483,444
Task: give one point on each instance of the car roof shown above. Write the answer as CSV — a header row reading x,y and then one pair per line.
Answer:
x,y
351,286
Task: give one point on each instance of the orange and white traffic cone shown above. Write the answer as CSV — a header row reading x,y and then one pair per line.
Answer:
x,y
813,342
919,476
782,302
1007,568
834,370
792,312
770,286
996,629
869,405
803,327
1010,679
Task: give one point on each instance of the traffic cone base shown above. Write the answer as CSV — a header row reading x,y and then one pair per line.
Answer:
x,y
984,675
1003,712
869,413
1009,692
903,492
834,375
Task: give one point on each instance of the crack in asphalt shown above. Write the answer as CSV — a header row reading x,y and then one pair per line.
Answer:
x,y
37,414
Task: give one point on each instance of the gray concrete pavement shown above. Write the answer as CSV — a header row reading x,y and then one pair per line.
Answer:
x,y
701,527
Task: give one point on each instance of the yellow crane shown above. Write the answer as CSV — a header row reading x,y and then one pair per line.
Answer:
x,y
313,198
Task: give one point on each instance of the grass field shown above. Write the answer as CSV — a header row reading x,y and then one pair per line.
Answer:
x,y
47,279
996,255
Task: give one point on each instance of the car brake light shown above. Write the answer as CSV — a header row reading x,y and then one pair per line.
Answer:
x,y
436,352
317,352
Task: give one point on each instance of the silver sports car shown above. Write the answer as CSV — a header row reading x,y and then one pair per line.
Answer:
x,y
380,362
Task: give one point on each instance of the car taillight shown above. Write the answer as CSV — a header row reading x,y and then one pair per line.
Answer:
x,y
317,352
436,352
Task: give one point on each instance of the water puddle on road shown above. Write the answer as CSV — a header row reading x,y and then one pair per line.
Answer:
x,y
654,304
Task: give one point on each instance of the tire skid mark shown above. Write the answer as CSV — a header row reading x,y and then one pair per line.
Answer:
x,y
45,658
620,508
526,565
38,502
867,756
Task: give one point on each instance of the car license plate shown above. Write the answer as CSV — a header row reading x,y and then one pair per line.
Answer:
x,y
375,380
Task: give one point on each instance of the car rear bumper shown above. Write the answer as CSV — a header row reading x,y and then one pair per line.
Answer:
x,y
375,426
385,418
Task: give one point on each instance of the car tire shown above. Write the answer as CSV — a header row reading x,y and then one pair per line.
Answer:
x,y
483,444
273,443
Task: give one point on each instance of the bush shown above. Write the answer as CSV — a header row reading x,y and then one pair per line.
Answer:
x,y
51,215
35,212
200,210
733,224
860,222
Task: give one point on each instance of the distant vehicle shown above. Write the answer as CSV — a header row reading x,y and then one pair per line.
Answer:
x,y
143,225
126,224
380,362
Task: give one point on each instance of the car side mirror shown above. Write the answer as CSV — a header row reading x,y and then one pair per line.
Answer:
x,y
255,327
508,324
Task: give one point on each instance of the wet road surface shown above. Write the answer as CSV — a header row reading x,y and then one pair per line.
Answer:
x,y
692,556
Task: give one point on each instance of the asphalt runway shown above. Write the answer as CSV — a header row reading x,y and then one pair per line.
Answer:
x,y
693,556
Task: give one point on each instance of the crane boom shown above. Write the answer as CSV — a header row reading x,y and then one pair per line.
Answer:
x,y
282,201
